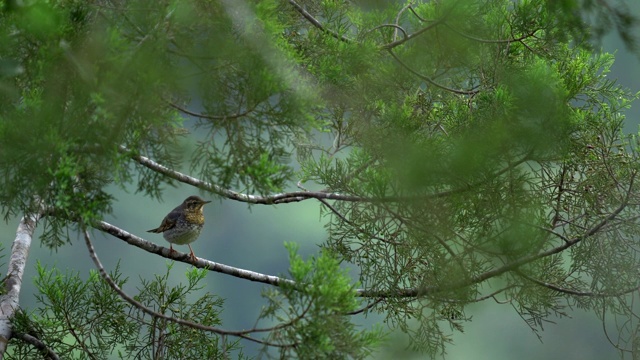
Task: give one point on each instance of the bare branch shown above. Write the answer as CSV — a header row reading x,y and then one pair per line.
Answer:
x,y
429,80
200,263
395,32
317,23
433,24
575,292
408,37
395,26
210,117
297,196
489,41
44,349
280,198
367,307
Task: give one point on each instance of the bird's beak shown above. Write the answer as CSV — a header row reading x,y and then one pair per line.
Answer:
x,y
201,204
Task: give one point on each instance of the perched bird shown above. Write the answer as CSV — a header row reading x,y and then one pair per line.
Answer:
x,y
183,224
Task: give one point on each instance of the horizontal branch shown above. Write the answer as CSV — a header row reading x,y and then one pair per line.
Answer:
x,y
391,293
297,196
428,290
573,292
491,41
280,198
213,266
199,263
302,195
210,117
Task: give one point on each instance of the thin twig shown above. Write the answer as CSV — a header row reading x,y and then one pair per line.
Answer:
x,y
210,117
408,37
367,307
395,32
422,291
575,292
429,80
489,41
317,23
435,23
396,27
44,349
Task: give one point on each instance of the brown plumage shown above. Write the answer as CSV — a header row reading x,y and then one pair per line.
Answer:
x,y
183,224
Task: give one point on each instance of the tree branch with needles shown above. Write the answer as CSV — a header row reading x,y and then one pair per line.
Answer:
x,y
46,351
242,334
405,292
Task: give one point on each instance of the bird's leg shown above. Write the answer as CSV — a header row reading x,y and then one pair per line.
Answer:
x,y
193,256
171,251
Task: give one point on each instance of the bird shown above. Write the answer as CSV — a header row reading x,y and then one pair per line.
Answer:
x,y
183,224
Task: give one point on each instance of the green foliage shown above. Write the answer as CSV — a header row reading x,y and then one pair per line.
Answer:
x,y
91,81
589,20
314,314
482,140
87,320
497,147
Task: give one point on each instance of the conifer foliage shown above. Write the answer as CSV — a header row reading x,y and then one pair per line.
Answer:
x,y
459,151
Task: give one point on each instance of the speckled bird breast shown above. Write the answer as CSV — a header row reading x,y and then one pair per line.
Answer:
x,y
195,217
183,233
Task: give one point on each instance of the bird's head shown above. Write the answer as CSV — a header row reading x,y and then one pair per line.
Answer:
x,y
194,203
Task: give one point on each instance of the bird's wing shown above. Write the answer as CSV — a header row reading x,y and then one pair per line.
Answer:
x,y
168,222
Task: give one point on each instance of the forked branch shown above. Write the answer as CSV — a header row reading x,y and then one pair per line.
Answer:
x,y
242,334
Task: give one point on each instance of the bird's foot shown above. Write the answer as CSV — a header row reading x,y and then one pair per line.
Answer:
x,y
171,251
192,255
